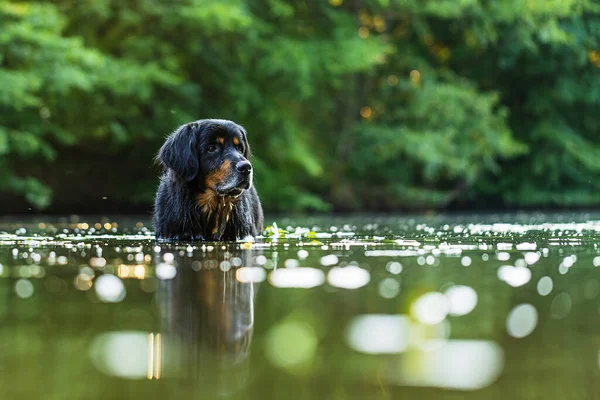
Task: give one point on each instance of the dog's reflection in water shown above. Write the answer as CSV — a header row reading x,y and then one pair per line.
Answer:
x,y
207,319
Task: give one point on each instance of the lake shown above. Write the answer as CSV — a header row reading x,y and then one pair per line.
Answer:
x,y
350,307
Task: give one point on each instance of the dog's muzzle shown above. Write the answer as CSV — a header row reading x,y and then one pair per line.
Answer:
x,y
240,179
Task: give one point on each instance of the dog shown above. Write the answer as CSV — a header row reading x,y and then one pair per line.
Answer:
x,y
206,192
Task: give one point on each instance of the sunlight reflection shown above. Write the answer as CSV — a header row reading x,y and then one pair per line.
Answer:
x,y
83,282
390,253
463,299
291,263
110,288
165,271
250,274
389,288
521,321
431,308
544,286
531,257
454,364
379,333
329,260
351,277
394,267
302,254
131,271
526,246
301,277
514,276
24,288
127,354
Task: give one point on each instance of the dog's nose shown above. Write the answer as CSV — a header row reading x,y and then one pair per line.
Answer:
x,y
244,167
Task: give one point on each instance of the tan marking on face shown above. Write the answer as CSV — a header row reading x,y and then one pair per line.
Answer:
x,y
218,208
236,141
221,139
218,176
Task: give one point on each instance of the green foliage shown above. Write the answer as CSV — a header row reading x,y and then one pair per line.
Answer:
x,y
444,136
58,91
382,104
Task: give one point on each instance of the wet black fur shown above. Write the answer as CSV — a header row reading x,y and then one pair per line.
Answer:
x,y
184,155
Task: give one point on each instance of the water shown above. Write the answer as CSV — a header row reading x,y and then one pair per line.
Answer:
x,y
494,307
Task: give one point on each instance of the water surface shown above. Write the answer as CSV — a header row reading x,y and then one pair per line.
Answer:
x,y
482,307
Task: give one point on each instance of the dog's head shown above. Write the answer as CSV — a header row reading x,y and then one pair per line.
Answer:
x,y
213,153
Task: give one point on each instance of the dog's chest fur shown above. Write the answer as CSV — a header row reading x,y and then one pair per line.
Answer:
x,y
217,211
182,213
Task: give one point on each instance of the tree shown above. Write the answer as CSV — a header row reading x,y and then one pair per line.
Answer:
x,y
377,104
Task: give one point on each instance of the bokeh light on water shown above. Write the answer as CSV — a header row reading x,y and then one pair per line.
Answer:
x,y
369,308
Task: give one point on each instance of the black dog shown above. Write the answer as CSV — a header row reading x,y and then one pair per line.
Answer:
x,y
206,192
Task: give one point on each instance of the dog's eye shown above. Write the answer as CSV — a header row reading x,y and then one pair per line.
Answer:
x,y
212,148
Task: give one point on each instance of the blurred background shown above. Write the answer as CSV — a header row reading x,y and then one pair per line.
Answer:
x,y
350,105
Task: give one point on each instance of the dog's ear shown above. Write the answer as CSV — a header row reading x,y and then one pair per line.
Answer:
x,y
247,153
180,152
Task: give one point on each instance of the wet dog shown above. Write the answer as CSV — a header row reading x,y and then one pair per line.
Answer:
x,y
206,192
